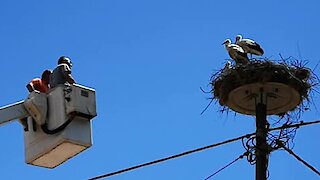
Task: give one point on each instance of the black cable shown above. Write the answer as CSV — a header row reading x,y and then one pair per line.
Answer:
x,y
200,149
46,130
294,125
238,158
171,157
299,158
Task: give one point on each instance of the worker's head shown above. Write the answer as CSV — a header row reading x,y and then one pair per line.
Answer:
x,y
65,60
46,75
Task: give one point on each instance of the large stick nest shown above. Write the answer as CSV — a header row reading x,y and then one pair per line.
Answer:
x,y
293,74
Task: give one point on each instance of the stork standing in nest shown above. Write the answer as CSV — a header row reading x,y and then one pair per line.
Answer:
x,y
236,52
249,46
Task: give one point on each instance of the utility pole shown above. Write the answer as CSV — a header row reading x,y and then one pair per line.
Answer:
x,y
261,136
262,99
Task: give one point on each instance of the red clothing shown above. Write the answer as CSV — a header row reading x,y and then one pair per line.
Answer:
x,y
39,85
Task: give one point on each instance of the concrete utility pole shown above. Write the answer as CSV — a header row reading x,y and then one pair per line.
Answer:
x,y
261,136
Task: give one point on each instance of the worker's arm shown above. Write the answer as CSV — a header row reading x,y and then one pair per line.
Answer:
x,y
34,85
67,75
70,79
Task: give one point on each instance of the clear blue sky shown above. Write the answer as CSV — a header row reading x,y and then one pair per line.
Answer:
x,y
146,60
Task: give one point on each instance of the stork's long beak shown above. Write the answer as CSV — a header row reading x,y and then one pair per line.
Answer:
x,y
223,43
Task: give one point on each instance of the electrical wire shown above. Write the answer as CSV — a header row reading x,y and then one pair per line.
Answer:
x,y
171,157
297,125
238,158
200,149
299,158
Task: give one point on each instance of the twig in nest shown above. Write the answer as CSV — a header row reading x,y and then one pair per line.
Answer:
x,y
207,106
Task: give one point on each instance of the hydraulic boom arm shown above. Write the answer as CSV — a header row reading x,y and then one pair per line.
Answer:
x,y
12,112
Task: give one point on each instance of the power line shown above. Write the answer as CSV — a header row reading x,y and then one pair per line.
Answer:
x,y
297,125
238,158
200,149
171,157
299,158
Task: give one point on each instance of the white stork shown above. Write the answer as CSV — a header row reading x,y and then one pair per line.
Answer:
x,y
249,46
236,52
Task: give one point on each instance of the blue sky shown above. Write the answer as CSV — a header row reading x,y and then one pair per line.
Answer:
x,y
147,61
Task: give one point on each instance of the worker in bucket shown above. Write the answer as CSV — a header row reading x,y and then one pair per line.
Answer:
x,y
62,73
37,84
41,85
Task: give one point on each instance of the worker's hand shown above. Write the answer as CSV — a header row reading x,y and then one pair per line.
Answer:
x,y
29,87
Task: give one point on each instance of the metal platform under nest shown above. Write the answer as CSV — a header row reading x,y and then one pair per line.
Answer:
x,y
280,98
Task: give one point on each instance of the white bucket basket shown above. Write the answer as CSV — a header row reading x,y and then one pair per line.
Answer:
x,y
72,105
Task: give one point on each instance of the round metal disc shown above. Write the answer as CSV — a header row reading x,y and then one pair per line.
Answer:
x,y
281,98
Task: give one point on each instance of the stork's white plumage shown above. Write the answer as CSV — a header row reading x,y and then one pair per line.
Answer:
x,y
236,52
249,46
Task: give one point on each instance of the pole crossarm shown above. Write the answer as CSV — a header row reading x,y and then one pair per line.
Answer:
x,y
12,112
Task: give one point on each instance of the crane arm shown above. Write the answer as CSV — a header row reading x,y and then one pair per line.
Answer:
x,y
12,112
